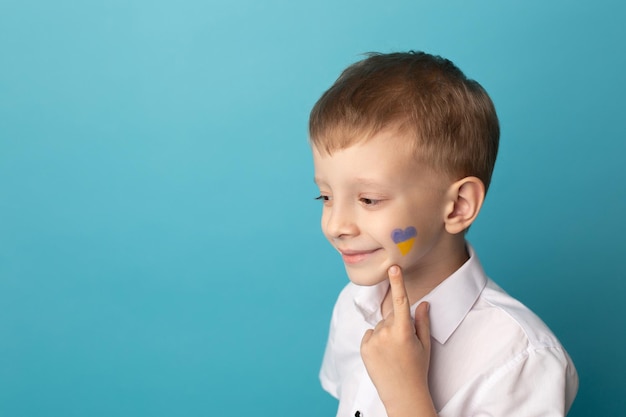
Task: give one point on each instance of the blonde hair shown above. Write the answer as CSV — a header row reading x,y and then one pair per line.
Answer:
x,y
450,119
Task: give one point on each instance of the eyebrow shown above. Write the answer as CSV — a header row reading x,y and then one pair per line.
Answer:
x,y
368,182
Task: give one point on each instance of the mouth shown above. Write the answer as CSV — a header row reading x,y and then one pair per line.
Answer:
x,y
355,256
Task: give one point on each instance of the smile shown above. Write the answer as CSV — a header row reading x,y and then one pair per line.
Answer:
x,y
355,256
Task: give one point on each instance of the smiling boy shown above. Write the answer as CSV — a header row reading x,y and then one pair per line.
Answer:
x,y
404,146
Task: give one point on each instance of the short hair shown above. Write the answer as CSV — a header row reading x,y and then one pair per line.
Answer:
x,y
451,119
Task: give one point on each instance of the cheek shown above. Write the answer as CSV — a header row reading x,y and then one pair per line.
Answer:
x,y
404,239
324,224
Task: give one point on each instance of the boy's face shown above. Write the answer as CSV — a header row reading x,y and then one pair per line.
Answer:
x,y
381,207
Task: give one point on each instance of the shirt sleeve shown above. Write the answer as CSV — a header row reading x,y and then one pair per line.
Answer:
x,y
536,383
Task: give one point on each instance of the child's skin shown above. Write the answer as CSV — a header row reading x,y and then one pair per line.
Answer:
x,y
370,189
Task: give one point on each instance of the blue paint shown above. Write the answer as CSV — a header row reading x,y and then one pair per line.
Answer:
x,y
399,235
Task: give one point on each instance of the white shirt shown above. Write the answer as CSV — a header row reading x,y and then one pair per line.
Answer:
x,y
490,355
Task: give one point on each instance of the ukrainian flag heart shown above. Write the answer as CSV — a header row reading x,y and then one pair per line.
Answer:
x,y
404,239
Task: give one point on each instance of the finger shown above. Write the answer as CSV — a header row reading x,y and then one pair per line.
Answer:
x,y
368,334
422,324
382,323
399,297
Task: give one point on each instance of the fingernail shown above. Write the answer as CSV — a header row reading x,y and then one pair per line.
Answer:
x,y
394,270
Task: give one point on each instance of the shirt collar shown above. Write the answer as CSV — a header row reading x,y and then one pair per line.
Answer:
x,y
449,302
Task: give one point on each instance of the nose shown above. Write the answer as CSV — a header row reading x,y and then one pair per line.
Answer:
x,y
338,221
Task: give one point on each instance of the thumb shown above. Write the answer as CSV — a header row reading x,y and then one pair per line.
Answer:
x,y
422,324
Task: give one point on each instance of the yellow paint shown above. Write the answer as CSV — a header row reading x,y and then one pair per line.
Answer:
x,y
406,246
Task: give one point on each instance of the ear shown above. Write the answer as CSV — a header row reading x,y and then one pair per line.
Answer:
x,y
465,198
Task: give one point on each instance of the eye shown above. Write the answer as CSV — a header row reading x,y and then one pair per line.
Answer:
x,y
369,201
323,198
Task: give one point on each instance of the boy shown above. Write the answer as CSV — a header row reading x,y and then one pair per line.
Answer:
x,y
404,146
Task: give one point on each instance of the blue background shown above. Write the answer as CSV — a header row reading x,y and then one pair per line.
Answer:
x,y
160,251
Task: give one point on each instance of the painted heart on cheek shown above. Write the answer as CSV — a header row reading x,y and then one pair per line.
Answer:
x,y
404,239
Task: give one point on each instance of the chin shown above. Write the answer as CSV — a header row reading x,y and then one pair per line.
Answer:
x,y
366,278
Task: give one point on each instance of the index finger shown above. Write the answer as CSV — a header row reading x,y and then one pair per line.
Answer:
x,y
399,296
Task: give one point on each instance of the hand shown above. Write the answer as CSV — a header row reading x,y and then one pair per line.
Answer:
x,y
396,354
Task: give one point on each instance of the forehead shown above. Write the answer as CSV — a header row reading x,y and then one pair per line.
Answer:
x,y
384,158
